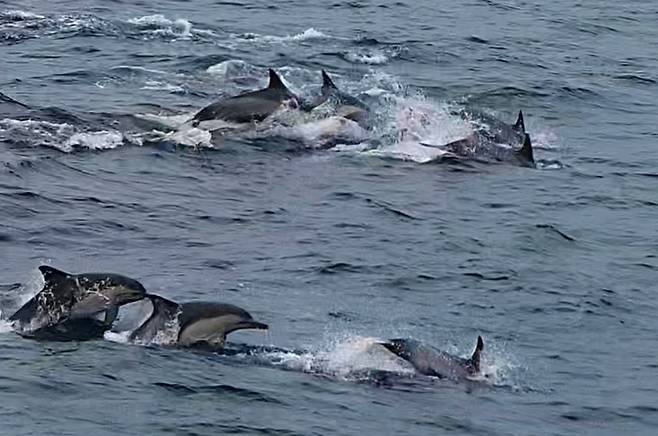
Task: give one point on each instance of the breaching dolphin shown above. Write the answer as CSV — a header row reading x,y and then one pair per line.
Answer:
x,y
429,361
69,305
346,106
205,323
250,106
493,139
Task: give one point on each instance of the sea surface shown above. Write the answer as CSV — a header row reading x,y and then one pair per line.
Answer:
x,y
337,245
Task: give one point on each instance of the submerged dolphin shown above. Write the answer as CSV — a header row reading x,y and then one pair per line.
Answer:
x,y
194,322
250,106
430,361
75,306
492,139
346,106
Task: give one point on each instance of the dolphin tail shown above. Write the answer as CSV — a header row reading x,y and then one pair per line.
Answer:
x,y
474,361
519,126
526,150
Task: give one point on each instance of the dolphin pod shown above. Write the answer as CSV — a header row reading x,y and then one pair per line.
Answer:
x,y
491,139
84,306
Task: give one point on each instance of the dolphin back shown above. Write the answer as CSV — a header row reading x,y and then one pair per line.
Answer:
x,y
163,314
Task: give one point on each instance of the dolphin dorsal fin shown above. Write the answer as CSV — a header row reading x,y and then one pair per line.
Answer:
x,y
519,126
327,83
53,274
275,81
526,151
475,358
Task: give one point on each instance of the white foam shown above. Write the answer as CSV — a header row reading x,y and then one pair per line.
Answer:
x,y
308,34
232,68
323,132
162,86
374,57
102,140
5,326
345,356
417,121
119,337
190,137
20,15
159,25
61,136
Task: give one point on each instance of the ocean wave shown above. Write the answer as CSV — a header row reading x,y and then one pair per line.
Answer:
x,y
308,34
30,25
414,121
60,136
19,15
373,57
159,25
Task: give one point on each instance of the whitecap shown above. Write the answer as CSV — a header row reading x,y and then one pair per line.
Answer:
x,y
160,25
101,140
308,34
374,57
18,15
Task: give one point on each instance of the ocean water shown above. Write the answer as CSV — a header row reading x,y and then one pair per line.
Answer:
x,y
336,242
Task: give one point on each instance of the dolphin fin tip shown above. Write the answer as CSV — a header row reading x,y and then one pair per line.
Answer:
x,y
519,126
475,358
327,83
50,273
275,80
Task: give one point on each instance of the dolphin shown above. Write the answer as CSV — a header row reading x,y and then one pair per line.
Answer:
x,y
491,139
346,106
250,106
429,361
193,323
69,304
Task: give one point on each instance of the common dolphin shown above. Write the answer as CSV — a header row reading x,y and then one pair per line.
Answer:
x,y
205,323
69,304
250,106
430,361
346,106
492,139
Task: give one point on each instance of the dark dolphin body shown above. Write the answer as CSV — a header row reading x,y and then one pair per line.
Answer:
x,y
75,306
346,106
430,361
204,323
491,140
250,106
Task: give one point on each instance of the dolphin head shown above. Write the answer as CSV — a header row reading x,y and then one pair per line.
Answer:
x,y
400,347
115,288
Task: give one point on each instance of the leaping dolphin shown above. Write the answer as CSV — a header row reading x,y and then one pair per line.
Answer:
x,y
346,106
69,305
491,139
250,106
194,322
430,361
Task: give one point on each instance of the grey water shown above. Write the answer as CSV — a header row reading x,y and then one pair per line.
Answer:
x,y
554,266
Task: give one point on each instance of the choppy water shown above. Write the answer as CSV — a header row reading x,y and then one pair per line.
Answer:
x,y
555,267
